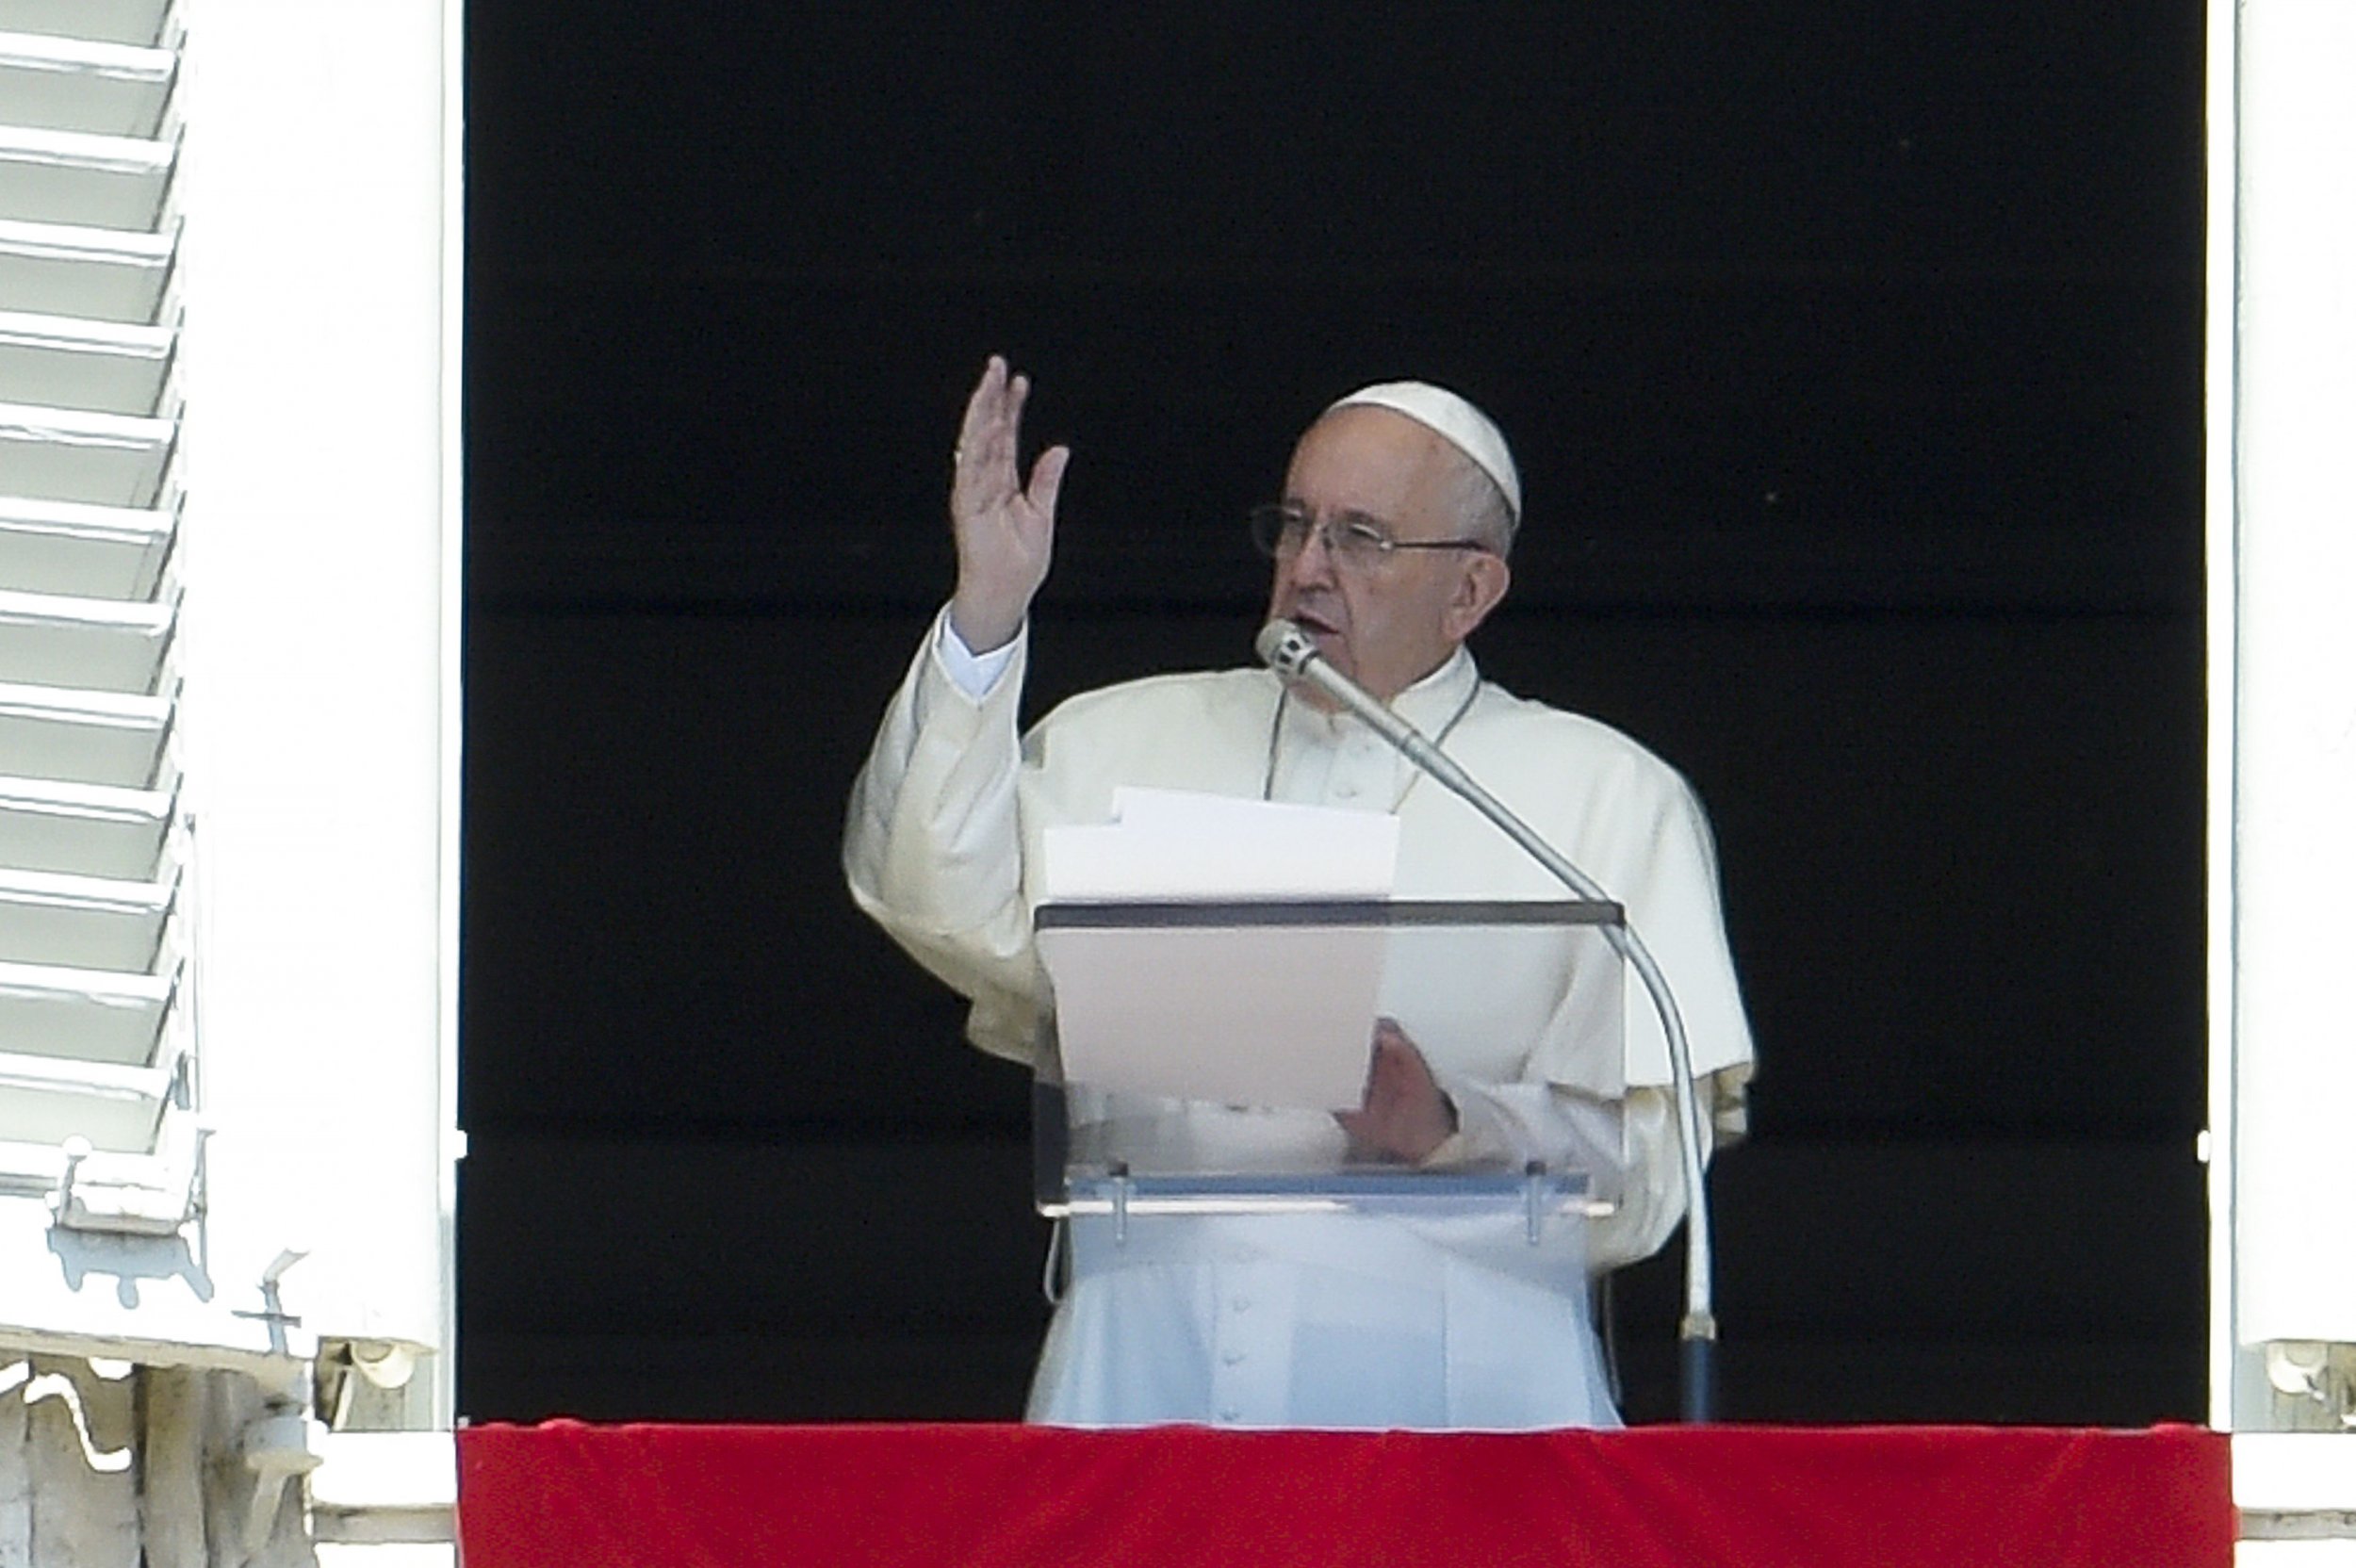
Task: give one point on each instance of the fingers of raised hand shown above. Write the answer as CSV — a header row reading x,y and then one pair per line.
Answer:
x,y
985,439
1047,479
985,463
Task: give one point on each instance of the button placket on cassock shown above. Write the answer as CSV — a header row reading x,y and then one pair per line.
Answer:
x,y
1251,1315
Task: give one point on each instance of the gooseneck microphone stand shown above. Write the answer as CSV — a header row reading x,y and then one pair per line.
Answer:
x,y
1287,649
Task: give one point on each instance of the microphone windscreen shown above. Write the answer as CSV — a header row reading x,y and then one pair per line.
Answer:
x,y
1284,648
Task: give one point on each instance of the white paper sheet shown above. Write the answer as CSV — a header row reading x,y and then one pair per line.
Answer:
x,y
1171,844
1240,1014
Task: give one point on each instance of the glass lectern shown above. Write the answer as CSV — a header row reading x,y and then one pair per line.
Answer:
x,y
1187,1138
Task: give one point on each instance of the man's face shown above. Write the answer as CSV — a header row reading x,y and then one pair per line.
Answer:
x,y
1391,621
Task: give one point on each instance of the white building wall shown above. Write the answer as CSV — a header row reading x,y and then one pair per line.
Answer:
x,y
2283,775
156,1389
314,636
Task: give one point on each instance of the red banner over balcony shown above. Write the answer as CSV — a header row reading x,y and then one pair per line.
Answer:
x,y
982,1496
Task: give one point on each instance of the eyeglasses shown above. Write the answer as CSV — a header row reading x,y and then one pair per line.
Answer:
x,y
1280,533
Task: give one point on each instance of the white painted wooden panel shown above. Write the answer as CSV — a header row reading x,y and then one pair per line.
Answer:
x,y
88,645
135,21
82,829
70,84
47,1100
113,552
69,454
84,922
107,181
321,434
66,362
88,1015
93,737
101,274
2293,1034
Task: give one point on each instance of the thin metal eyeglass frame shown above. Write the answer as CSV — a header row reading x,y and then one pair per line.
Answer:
x,y
1272,522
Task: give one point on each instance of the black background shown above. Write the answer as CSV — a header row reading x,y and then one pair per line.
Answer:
x,y
1852,357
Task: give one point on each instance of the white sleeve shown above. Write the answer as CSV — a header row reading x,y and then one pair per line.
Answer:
x,y
932,844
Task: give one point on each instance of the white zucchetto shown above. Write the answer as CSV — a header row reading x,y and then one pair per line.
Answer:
x,y
1464,427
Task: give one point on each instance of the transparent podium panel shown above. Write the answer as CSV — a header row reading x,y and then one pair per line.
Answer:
x,y
1221,1039
1201,1053
1192,1135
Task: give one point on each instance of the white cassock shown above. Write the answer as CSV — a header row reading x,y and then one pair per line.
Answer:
x,y
1315,1320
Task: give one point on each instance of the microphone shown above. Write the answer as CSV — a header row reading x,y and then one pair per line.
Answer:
x,y
1288,650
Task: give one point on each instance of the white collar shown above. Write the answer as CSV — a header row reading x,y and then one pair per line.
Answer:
x,y
1431,704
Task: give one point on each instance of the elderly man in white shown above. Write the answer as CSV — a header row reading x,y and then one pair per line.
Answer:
x,y
1390,546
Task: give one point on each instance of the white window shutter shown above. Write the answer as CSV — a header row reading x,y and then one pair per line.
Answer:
x,y
97,1062
228,701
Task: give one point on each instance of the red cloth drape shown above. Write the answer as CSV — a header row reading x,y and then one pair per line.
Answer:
x,y
580,1496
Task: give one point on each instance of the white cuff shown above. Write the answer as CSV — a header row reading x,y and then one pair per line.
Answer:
x,y
1511,1124
975,673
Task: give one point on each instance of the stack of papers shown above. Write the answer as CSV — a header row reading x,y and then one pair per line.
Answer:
x,y
1237,1004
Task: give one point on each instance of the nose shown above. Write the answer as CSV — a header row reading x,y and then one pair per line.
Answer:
x,y
1313,560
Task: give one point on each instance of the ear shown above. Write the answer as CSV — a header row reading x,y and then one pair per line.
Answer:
x,y
1484,583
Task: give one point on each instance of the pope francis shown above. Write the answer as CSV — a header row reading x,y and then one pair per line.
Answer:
x,y
1390,546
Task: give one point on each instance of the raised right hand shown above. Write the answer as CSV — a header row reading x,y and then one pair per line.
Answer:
x,y
1005,530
